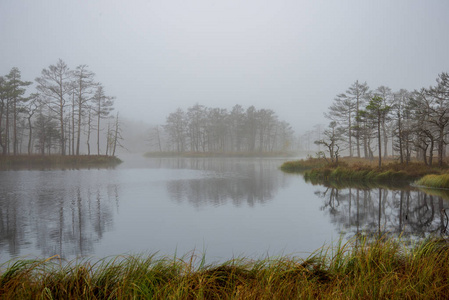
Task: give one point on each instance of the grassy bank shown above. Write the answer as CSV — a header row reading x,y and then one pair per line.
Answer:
x,y
384,269
56,161
349,170
440,181
299,166
219,154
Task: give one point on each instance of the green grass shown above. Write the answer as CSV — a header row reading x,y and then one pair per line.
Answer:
x,y
440,181
358,174
299,166
356,171
56,161
358,269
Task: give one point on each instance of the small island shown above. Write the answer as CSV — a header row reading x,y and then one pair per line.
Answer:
x,y
55,125
57,161
355,171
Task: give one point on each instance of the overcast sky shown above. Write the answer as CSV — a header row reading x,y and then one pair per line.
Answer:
x,y
289,56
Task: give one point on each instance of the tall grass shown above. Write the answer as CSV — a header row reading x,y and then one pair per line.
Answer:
x,y
358,269
434,181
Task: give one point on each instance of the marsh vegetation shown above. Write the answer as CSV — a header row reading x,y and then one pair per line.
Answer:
x,y
365,268
358,170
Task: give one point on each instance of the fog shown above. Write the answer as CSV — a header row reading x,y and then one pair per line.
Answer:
x,y
289,56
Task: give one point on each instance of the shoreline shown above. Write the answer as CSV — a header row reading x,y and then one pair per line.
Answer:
x,y
218,154
12,162
347,171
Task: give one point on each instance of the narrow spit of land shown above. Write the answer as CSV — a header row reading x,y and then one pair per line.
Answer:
x,y
380,269
364,171
220,154
8,162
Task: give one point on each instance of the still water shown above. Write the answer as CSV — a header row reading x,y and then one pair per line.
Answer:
x,y
223,208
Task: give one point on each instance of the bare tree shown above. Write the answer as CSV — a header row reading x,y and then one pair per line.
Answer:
x,y
386,94
102,107
333,137
84,89
30,109
55,84
342,111
176,127
439,110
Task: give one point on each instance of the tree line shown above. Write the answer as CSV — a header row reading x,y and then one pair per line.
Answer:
x,y
403,124
66,109
204,129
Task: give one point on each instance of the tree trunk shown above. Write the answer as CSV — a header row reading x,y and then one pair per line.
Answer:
x,y
30,135
89,121
379,142
14,127
61,120
98,134
401,154
385,136
78,134
440,147
6,149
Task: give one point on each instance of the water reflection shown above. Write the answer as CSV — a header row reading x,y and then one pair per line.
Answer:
x,y
55,212
237,180
410,212
229,206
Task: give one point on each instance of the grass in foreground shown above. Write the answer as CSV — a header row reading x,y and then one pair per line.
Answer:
x,y
383,269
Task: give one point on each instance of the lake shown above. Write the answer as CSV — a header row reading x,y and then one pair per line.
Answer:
x,y
221,207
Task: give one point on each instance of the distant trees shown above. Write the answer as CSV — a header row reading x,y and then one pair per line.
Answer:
x,y
416,123
53,119
203,129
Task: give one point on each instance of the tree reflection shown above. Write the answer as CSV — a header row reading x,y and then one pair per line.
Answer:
x,y
409,212
65,220
242,182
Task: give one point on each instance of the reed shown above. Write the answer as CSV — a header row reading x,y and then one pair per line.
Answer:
x,y
358,269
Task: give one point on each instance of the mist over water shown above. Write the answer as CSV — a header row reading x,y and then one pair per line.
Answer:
x,y
222,207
